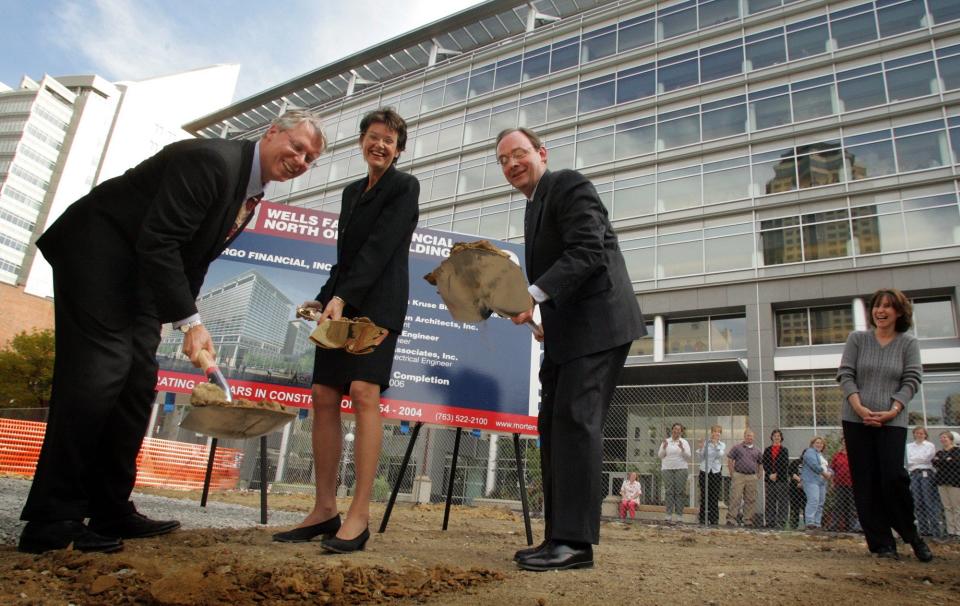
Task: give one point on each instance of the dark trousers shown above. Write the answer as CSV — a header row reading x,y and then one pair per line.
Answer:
x,y
710,487
575,397
798,502
776,503
103,386
844,514
881,486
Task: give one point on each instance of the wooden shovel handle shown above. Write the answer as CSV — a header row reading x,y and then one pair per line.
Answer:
x,y
205,360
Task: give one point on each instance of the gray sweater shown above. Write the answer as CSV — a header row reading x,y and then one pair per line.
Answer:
x,y
879,374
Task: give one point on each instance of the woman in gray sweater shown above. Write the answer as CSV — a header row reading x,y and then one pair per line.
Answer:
x,y
880,373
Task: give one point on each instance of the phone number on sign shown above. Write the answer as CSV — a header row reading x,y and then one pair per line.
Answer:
x,y
447,417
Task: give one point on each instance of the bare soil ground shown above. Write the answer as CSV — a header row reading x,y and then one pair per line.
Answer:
x,y
415,562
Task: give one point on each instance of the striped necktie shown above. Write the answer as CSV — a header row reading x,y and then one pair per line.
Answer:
x,y
245,210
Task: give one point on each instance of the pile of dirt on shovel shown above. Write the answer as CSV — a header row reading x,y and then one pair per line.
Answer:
x,y
208,394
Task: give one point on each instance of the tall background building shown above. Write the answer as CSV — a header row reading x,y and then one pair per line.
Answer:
x,y
766,164
61,136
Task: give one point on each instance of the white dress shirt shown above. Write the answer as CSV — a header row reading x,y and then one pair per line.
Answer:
x,y
920,455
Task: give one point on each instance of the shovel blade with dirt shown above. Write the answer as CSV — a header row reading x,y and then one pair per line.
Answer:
x,y
215,413
479,279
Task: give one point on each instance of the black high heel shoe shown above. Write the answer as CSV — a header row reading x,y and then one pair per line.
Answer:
x,y
305,533
335,545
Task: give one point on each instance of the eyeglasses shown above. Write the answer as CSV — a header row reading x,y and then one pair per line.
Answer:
x,y
297,147
373,138
516,155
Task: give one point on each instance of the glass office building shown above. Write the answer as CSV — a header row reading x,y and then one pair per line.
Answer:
x,y
767,164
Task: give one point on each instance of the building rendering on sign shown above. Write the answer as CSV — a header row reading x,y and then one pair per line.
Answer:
x,y
767,165
249,320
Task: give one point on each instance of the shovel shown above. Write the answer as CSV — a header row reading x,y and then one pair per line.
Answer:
x,y
479,279
231,421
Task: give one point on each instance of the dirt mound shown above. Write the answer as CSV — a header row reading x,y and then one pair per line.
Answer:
x,y
201,568
415,562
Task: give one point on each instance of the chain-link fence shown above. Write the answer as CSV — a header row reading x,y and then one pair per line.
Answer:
x,y
701,471
693,460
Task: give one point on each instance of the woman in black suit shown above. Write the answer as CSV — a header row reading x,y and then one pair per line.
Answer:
x,y
371,279
776,462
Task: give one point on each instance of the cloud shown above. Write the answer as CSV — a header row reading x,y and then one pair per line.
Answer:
x,y
124,40
137,39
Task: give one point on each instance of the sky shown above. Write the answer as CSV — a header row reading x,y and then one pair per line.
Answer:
x,y
136,39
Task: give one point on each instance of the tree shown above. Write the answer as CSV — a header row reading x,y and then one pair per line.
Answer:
x,y
26,370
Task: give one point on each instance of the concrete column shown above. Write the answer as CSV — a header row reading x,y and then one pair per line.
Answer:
x,y
859,314
764,413
659,338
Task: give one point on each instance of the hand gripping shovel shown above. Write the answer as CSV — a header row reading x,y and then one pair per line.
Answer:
x,y
229,418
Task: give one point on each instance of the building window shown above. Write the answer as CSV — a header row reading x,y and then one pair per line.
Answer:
x,y
812,400
728,334
814,325
636,138
715,333
932,221
938,402
900,18
860,88
726,180
679,254
718,11
933,318
639,256
687,336
598,44
944,10
636,32
763,51
912,80
850,29
634,197
807,38
644,345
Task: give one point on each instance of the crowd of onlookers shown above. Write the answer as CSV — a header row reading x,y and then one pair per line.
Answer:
x,y
864,486
811,491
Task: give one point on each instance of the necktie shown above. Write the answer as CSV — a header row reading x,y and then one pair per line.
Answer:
x,y
245,209
531,216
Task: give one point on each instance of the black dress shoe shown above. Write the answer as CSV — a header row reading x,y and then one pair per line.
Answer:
x,y
558,556
132,526
39,537
305,533
336,545
921,551
528,551
888,553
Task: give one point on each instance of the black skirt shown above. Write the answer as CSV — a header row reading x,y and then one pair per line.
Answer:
x,y
337,368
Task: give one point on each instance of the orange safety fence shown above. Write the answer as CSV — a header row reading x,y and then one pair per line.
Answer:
x,y
162,463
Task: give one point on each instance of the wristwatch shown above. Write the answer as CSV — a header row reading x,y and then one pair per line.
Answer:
x,y
185,328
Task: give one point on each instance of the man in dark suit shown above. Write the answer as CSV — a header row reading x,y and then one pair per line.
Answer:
x,y
128,257
590,317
